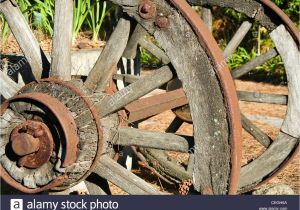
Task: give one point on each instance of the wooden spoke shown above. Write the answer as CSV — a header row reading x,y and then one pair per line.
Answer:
x,y
139,36
110,56
134,91
154,50
258,134
116,174
262,97
155,140
238,72
269,161
175,125
171,168
94,189
97,185
207,18
131,49
290,54
153,105
61,66
127,78
237,39
65,192
8,87
25,38
190,167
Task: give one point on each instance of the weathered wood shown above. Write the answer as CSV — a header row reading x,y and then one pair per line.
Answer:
x,y
237,39
82,62
258,134
145,164
175,125
101,185
153,105
251,65
127,78
154,140
165,165
8,87
132,45
262,97
110,56
273,121
252,9
62,40
93,188
134,91
190,167
154,50
25,38
116,174
207,18
200,83
269,161
290,54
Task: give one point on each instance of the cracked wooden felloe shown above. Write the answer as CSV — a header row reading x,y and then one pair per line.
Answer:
x,y
265,12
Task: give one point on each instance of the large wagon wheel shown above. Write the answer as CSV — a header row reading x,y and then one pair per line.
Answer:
x,y
56,131
285,37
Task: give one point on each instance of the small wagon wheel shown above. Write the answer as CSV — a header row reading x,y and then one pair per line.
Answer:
x,y
56,131
285,37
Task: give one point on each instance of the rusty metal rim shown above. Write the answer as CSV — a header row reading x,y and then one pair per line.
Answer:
x,y
286,20
56,108
96,118
296,35
208,42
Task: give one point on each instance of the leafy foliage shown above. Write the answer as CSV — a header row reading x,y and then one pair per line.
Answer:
x,y
148,60
43,15
291,8
88,14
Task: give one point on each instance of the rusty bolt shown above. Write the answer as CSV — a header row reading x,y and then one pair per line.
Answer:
x,y
24,144
154,163
162,22
147,9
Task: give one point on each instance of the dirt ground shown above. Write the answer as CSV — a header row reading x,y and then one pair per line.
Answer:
x,y
251,148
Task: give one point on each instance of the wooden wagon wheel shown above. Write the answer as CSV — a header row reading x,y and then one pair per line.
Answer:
x,y
72,123
285,37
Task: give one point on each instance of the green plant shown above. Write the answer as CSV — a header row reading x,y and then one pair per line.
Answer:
x,y
5,31
272,70
25,6
43,15
148,60
291,8
97,14
81,10
240,57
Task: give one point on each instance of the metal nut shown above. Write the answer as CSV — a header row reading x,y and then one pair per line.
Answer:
x,y
147,9
162,22
24,144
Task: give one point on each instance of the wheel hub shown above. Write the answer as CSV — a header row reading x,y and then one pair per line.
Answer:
x,y
33,142
52,137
